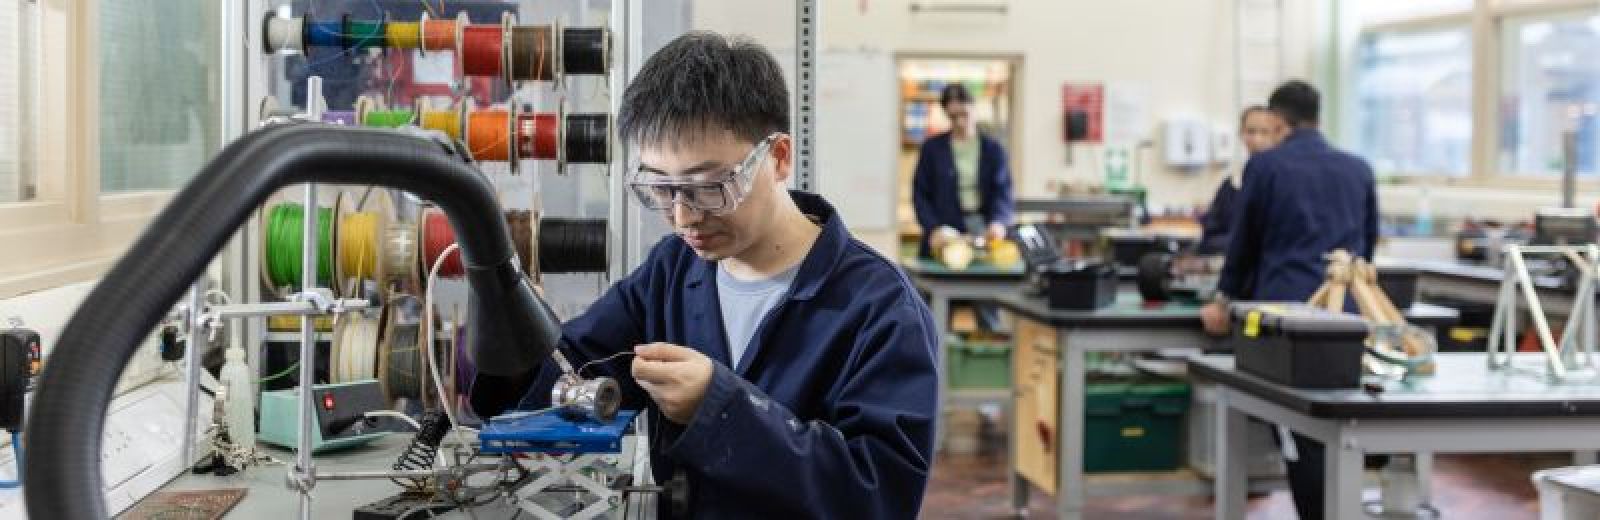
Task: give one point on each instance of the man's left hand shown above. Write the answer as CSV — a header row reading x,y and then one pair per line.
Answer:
x,y
675,377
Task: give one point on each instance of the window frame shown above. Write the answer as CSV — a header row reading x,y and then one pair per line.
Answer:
x,y
72,232
1485,20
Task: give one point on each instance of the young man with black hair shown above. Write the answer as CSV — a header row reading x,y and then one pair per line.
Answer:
x,y
788,369
1301,200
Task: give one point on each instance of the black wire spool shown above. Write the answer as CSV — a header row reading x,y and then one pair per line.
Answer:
x,y
586,50
588,138
400,364
572,245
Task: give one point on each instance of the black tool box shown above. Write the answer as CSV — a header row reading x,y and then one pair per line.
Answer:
x,y
1079,285
1298,345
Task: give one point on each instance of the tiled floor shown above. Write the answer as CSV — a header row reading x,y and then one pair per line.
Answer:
x,y
1465,487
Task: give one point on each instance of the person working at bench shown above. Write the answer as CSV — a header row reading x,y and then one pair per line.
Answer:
x,y
788,369
1300,201
1260,129
962,183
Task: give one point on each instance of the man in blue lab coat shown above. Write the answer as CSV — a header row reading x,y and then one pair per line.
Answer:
x,y
788,370
962,183
1300,201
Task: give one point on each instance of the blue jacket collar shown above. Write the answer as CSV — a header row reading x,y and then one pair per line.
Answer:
x,y
819,262
1307,135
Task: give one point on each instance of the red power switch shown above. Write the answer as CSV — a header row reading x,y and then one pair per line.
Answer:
x,y
327,401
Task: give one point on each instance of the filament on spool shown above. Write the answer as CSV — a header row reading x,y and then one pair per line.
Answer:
x,y
362,34
482,50
489,135
283,34
447,121
533,53
586,50
436,236
538,136
403,35
572,245
442,35
588,138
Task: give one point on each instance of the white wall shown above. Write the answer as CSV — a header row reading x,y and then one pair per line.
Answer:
x,y
1179,52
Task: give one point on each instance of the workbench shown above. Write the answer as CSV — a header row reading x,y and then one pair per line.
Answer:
x,y
1065,338
268,497
942,285
1465,408
1440,281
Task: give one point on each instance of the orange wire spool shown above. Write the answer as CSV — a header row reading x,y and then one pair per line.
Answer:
x,y
436,236
539,135
482,50
442,35
489,135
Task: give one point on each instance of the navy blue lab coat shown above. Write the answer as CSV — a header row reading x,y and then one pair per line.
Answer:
x,y
830,413
1216,227
1300,201
935,191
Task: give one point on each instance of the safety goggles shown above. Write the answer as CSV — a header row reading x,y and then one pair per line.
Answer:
x,y
719,195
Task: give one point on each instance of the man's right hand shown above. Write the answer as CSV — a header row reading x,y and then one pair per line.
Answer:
x,y
941,236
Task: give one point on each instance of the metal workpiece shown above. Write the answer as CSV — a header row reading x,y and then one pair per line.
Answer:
x,y
597,398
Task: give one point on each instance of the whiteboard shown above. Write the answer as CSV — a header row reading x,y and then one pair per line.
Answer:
x,y
857,135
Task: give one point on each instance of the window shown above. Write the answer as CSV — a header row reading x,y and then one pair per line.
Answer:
x,y
110,105
160,72
1550,84
16,105
1413,102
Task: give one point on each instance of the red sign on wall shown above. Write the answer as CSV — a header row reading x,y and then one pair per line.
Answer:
x,y
1082,112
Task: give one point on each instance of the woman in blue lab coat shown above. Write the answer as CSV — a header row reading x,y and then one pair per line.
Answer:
x,y
787,369
1259,130
962,183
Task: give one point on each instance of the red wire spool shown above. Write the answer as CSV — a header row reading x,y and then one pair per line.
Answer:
x,y
538,135
436,236
482,50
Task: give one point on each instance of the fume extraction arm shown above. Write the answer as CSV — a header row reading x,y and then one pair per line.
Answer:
x,y
514,329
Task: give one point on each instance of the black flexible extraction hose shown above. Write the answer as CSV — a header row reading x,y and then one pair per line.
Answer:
x,y
514,330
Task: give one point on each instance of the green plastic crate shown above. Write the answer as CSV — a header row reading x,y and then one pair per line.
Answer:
x,y
978,365
1134,426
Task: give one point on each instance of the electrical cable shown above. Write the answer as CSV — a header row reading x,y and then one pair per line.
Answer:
x,y
482,50
437,237
532,55
324,34
362,34
283,245
395,415
588,138
489,135
443,35
586,50
339,117
428,343
538,135
519,222
400,357
355,349
403,35
572,245
447,121
358,245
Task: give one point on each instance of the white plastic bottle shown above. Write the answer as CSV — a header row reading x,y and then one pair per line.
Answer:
x,y
240,408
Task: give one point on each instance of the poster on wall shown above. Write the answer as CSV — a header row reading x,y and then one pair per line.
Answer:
x,y
1127,115
1082,111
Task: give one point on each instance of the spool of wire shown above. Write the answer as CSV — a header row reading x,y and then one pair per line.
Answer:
x,y
354,353
447,121
283,34
400,254
362,34
538,136
588,138
359,242
490,135
282,245
382,118
436,236
572,245
586,50
533,53
520,223
482,50
443,35
400,361
403,35
324,34
339,117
